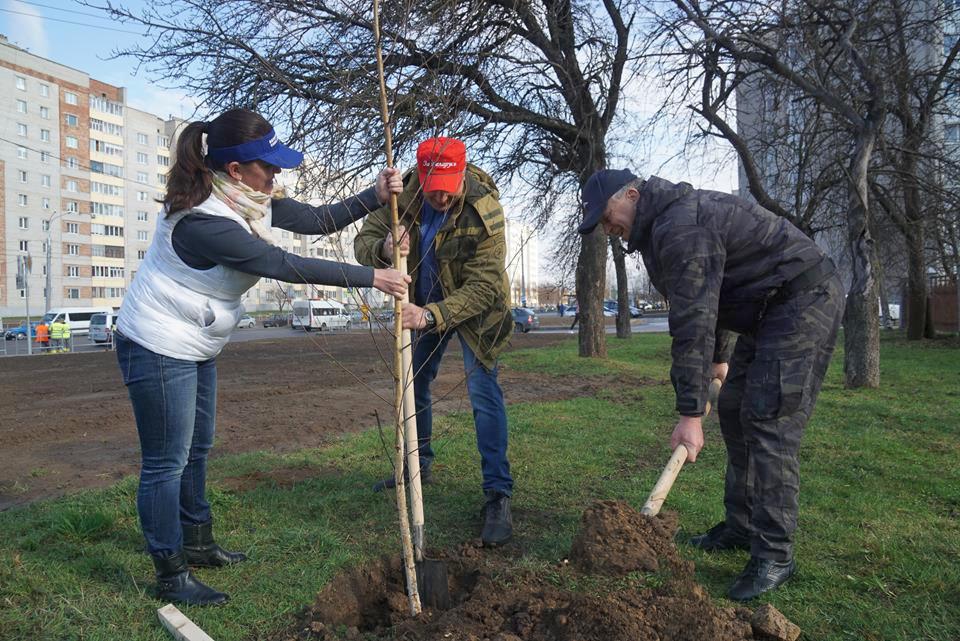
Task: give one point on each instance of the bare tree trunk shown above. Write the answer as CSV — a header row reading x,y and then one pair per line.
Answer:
x,y
861,320
916,285
591,285
623,294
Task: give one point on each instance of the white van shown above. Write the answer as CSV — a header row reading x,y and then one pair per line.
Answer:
x,y
321,314
102,326
78,318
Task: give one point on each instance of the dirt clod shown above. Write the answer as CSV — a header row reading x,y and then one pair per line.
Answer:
x,y
769,623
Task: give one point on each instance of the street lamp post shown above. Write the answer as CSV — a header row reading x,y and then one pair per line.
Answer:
x,y
48,287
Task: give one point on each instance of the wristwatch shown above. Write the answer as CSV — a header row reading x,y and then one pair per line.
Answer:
x,y
431,321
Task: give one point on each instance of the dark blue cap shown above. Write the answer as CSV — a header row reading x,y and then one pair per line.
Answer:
x,y
267,148
600,186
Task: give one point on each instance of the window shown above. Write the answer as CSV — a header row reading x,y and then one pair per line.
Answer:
x,y
45,156
72,293
72,186
106,230
103,188
106,127
71,120
24,246
73,250
24,222
102,209
143,216
21,129
163,161
162,179
142,235
105,148
23,175
106,168
142,177
44,90
22,106
73,271
107,251
73,207
21,83
22,153
45,226
70,98
45,113
46,205
72,142
45,180
142,196
45,135
142,158
141,254
22,200
72,162
73,228
101,103
163,141
143,139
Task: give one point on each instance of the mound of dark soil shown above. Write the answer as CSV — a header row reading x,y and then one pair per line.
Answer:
x,y
494,602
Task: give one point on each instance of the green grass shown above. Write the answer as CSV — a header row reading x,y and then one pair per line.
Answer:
x,y
877,549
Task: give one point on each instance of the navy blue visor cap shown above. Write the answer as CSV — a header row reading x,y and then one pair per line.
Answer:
x,y
598,190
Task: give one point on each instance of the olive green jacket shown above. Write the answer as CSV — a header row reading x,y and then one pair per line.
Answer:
x,y
470,249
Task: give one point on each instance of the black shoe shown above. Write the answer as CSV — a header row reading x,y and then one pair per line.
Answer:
x,y
389,483
760,575
497,520
202,551
175,583
720,537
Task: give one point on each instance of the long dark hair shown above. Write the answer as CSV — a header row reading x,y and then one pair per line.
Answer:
x,y
189,180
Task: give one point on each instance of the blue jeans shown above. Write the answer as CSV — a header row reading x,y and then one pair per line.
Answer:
x,y
174,404
486,397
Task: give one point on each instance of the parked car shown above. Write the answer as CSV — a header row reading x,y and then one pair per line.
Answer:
x,y
246,321
102,327
277,320
612,307
20,332
525,319
385,316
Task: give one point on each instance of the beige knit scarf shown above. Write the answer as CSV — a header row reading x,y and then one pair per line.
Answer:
x,y
248,203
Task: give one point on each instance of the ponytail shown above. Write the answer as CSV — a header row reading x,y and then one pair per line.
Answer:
x,y
189,181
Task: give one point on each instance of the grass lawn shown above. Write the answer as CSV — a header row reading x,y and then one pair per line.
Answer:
x,y
878,547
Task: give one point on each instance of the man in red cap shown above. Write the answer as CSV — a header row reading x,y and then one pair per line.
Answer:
x,y
454,239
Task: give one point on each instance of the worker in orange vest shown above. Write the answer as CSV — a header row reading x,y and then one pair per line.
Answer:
x,y
43,336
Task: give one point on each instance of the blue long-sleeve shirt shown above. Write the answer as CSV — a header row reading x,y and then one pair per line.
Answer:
x,y
203,241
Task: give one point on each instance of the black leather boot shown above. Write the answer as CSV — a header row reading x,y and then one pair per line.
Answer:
x,y
761,575
175,583
497,520
719,538
202,551
389,483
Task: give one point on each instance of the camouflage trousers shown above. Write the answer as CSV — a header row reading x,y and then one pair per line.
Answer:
x,y
772,385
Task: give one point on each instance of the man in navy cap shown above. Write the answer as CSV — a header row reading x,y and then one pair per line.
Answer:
x,y
729,266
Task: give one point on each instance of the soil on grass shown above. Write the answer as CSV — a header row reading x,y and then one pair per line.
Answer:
x,y
623,595
66,422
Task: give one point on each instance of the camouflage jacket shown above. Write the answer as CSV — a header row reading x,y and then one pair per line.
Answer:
x,y
470,249
718,259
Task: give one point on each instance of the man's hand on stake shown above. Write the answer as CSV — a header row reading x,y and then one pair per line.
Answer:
x,y
413,317
404,244
389,181
689,433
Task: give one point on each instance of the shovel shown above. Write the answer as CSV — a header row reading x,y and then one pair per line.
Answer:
x,y
672,469
431,573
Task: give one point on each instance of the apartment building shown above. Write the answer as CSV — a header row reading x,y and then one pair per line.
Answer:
x,y
523,263
79,174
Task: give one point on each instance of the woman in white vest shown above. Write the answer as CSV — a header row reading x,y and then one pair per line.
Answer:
x,y
212,244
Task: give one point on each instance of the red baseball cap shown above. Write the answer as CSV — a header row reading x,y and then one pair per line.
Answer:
x,y
442,163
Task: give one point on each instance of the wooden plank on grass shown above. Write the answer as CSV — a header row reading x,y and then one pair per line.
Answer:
x,y
182,628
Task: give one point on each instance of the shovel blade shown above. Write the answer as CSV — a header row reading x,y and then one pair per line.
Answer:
x,y
432,581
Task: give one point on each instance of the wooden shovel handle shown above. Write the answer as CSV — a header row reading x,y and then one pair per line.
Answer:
x,y
672,469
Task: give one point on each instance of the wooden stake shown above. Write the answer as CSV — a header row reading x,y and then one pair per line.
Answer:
x,y
410,571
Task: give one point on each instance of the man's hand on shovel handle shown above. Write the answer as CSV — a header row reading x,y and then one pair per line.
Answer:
x,y
688,433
